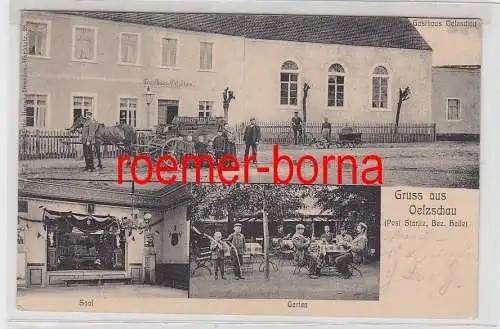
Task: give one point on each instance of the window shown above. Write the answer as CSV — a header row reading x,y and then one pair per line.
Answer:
x,y
169,52
380,88
206,49
35,107
336,85
22,206
84,43
129,48
289,83
37,38
453,109
206,109
82,105
128,111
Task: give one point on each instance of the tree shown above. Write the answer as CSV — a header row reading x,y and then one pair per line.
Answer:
x,y
239,199
404,95
236,200
347,200
306,89
227,97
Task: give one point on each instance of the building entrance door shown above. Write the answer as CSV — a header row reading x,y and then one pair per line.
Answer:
x,y
167,110
149,268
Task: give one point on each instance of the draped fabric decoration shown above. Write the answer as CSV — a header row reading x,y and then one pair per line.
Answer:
x,y
85,223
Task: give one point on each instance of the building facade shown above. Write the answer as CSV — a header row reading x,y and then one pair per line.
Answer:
x,y
456,101
68,231
144,69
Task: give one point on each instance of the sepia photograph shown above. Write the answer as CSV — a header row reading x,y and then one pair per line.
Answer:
x,y
99,84
94,238
266,241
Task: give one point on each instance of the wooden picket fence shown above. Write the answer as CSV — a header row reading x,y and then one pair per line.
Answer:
x,y
279,132
62,144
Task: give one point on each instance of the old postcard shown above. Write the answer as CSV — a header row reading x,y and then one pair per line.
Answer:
x,y
265,164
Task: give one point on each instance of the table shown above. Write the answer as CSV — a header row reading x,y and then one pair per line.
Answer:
x,y
325,248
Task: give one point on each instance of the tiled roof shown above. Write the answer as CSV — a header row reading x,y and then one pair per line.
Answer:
x,y
459,67
372,31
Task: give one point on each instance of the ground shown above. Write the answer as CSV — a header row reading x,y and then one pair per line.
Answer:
x,y
441,164
29,296
284,284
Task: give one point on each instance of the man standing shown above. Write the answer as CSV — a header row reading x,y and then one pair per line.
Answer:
x,y
237,239
296,127
252,138
302,254
219,145
326,130
88,140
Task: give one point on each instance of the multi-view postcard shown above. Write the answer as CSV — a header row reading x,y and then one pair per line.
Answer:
x,y
283,164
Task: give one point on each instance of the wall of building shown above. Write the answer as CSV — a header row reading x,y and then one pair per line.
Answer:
x,y
406,68
251,68
465,85
108,80
174,222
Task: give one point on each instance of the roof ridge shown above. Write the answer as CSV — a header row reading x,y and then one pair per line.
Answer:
x,y
372,31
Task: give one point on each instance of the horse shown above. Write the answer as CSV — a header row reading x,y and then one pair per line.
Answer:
x,y
121,135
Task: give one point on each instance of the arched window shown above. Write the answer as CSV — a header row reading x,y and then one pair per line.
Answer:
x,y
289,83
380,87
336,85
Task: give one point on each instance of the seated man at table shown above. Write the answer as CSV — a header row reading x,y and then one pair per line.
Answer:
x,y
355,248
302,254
327,236
343,239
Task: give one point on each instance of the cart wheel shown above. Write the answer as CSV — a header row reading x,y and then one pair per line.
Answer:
x,y
308,138
285,138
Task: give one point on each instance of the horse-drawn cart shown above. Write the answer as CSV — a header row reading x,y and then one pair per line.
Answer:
x,y
179,137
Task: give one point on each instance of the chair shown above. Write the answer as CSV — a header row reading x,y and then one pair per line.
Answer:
x,y
358,260
203,260
299,262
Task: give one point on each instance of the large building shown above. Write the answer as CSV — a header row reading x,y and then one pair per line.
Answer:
x,y
146,68
71,230
456,101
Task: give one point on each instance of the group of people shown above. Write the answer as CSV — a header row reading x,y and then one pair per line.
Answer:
x,y
234,244
224,143
352,248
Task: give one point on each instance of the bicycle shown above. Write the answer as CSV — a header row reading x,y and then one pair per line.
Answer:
x,y
287,137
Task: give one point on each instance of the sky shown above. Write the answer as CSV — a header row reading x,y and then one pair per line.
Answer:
x,y
452,45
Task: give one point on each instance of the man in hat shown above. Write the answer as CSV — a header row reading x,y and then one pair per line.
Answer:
x,y
251,136
237,239
296,127
343,238
88,140
302,254
327,237
354,251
